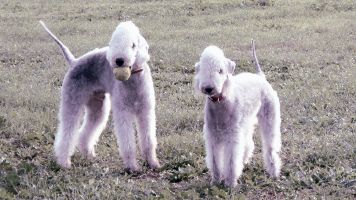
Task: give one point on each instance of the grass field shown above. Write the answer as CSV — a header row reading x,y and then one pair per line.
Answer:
x,y
307,49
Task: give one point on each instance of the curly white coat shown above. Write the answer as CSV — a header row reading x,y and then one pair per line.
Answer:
x,y
229,122
90,85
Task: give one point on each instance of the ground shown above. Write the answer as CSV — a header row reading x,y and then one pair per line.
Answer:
x,y
306,48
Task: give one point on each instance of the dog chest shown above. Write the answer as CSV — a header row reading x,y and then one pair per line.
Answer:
x,y
135,95
221,118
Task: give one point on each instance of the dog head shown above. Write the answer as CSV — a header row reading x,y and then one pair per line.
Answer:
x,y
212,71
127,47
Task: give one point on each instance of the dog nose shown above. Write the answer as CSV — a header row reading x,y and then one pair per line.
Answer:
x,y
208,90
119,62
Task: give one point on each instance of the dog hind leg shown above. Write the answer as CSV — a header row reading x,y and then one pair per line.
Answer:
x,y
67,136
269,120
249,146
97,112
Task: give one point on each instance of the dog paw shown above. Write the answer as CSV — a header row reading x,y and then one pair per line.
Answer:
x,y
274,166
247,161
64,162
274,172
91,154
230,182
87,152
154,164
215,181
216,178
132,170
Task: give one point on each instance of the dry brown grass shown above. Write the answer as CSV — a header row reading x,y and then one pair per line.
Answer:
x,y
306,48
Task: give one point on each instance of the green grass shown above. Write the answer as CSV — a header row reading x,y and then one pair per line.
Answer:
x,y
306,48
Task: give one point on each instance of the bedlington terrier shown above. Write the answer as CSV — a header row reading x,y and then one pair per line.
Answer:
x,y
234,105
90,86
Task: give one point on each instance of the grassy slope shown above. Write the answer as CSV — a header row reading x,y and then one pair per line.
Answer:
x,y
306,48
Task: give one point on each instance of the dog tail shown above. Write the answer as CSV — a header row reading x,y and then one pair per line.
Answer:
x,y
67,54
258,67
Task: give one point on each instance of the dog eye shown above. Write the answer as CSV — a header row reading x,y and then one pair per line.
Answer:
x,y
133,45
220,71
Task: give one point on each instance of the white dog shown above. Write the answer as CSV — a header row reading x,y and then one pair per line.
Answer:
x,y
89,84
233,106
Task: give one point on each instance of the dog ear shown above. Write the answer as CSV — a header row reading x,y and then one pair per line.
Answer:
x,y
142,53
109,57
230,65
196,80
197,66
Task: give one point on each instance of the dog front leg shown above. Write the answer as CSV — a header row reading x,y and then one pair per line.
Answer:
x,y
213,158
123,125
233,156
146,121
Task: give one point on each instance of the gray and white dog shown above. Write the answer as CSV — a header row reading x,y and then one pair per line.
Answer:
x,y
90,85
233,106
